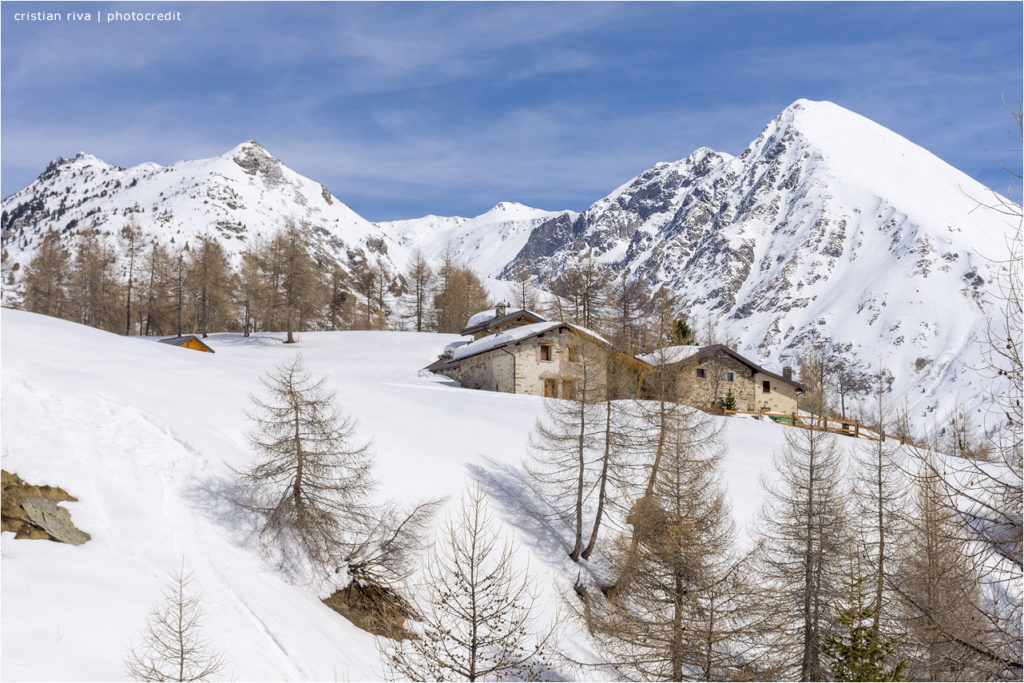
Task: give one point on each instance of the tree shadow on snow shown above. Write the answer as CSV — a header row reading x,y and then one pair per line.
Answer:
x,y
217,498
541,528
222,500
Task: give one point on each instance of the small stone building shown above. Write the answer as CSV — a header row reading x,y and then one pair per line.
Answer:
x,y
706,375
543,359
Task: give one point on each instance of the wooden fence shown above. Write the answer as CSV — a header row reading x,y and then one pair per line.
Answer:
x,y
825,424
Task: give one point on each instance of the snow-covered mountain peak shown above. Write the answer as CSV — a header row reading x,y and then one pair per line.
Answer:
x,y
512,211
242,194
249,148
829,229
86,158
488,241
145,167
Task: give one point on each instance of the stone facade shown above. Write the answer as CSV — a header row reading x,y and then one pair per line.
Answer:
x,y
705,382
549,364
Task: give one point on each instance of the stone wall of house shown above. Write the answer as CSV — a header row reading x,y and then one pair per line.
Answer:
x,y
708,392
490,371
531,371
781,398
495,370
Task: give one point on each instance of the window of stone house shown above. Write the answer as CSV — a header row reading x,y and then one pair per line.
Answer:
x,y
729,377
766,387
573,354
568,389
546,352
550,388
700,373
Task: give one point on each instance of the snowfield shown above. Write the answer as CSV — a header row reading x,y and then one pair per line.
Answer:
x,y
145,436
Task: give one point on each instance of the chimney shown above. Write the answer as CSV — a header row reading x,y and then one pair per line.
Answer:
x,y
787,373
448,353
501,309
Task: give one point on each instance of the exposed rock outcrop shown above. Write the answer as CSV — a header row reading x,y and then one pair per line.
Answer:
x,y
32,512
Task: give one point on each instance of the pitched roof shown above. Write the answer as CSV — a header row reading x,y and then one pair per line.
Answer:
x,y
679,354
511,336
488,323
181,341
668,355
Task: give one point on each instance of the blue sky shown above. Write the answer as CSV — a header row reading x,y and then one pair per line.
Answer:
x,y
448,108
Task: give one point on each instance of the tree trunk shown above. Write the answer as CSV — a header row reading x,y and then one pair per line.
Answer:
x,y
581,453
807,664
604,481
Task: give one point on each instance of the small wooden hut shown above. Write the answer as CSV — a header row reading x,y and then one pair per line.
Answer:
x,y
189,341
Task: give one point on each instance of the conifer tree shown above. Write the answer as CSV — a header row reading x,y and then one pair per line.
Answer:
x,y
46,278
93,282
583,286
857,650
524,294
615,442
563,443
628,299
209,278
381,290
677,618
477,614
173,647
131,239
939,588
459,295
729,401
179,277
420,278
366,285
156,279
880,492
338,297
250,287
311,479
658,417
805,535
681,333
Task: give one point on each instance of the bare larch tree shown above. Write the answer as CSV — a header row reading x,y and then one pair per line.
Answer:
x,y
477,612
312,477
676,618
564,442
173,647
805,541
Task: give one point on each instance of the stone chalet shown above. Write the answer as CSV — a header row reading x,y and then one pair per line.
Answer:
x,y
542,358
520,352
707,374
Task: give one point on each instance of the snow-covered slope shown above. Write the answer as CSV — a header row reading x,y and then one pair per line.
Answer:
x,y
144,434
241,195
488,241
827,229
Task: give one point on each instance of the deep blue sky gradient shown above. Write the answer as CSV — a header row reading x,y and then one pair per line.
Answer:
x,y
448,108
